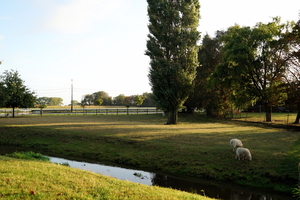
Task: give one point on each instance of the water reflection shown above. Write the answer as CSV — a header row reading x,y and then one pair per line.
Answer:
x,y
148,178
117,172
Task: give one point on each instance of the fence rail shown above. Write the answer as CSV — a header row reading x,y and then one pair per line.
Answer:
x,y
87,111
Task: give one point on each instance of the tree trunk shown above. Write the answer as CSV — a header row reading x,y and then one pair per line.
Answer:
x,y
268,113
297,118
172,117
13,112
208,112
298,114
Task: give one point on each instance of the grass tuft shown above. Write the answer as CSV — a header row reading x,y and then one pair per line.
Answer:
x,y
29,155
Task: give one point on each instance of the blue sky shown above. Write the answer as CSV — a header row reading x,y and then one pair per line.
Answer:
x,y
100,44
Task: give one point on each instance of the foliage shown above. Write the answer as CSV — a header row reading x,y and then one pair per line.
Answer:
x,y
128,100
254,63
28,156
83,104
172,48
118,100
99,102
14,93
138,100
206,94
148,99
87,100
107,100
296,193
92,99
50,101
292,77
75,103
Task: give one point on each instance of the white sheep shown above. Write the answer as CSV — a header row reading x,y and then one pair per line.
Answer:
x,y
235,143
243,153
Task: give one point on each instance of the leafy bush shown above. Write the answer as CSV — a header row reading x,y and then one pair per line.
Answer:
x,y
296,193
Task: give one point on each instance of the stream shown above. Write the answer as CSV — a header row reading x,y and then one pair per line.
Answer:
x,y
207,188
213,189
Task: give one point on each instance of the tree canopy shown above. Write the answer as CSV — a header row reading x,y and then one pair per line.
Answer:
x,y
254,63
14,94
50,101
172,48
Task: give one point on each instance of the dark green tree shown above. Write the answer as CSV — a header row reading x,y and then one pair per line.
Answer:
x,y
148,99
118,100
172,48
87,100
14,93
99,102
107,100
205,94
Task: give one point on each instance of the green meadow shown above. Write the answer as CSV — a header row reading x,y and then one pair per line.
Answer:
x,y
196,147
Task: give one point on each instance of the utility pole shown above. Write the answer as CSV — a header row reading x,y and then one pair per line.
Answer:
x,y
71,95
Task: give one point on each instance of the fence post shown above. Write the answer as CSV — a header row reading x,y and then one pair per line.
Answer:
x,y
117,111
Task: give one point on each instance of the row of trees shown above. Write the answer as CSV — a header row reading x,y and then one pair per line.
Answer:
x,y
49,101
14,94
102,98
237,68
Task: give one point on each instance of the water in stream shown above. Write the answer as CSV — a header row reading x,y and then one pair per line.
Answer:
x,y
204,188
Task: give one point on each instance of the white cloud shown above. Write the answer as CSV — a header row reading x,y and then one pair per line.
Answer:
x,y
78,16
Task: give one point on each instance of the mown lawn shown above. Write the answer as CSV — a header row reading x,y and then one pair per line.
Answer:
x,y
197,146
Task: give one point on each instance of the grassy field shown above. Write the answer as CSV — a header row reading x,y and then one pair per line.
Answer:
x,y
197,146
277,118
27,179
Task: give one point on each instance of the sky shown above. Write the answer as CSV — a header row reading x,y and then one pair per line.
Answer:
x,y
99,45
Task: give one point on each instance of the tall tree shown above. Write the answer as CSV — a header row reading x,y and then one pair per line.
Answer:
x,y
172,48
206,95
293,74
254,63
14,93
